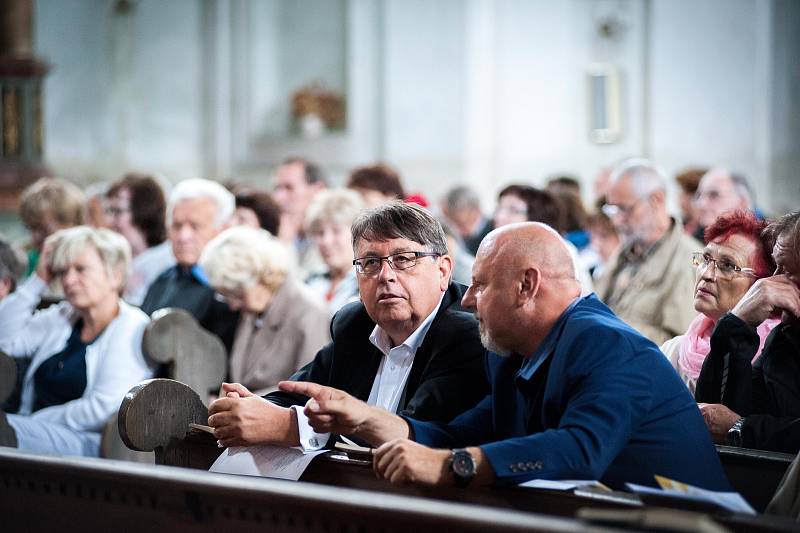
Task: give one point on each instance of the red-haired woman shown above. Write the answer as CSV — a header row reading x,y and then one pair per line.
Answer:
x,y
734,257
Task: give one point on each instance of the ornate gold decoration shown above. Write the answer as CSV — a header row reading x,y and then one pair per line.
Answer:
x,y
12,121
316,99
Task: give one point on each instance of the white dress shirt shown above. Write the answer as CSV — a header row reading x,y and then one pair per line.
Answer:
x,y
390,381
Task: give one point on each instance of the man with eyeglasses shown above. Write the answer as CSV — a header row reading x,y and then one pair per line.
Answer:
x,y
647,283
575,392
757,405
407,347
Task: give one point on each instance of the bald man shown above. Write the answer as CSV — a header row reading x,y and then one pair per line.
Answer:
x,y
576,392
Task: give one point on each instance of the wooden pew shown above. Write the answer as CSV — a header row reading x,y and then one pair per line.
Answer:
x,y
176,444
180,348
45,494
185,350
754,473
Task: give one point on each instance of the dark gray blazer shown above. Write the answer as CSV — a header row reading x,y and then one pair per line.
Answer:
x,y
447,376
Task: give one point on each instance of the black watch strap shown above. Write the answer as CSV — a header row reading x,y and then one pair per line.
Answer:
x,y
462,465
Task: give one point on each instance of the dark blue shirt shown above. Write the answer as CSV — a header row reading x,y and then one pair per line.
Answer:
x,y
187,288
62,377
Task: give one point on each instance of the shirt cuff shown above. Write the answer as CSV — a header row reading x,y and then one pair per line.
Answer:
x,y
310,440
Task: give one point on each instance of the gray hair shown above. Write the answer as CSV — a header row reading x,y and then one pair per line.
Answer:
x,y
462,197
191,189
68,244
646,177
12,263
788,227
743,189
313,173
340,206
241,257
398,220
57,198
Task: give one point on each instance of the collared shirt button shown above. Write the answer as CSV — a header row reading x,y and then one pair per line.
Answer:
x,y
313,442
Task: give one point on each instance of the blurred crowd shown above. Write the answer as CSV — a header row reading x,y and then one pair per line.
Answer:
x,y
266,266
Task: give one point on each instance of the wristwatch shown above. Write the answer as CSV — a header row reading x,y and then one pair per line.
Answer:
x,y
734,437
462,465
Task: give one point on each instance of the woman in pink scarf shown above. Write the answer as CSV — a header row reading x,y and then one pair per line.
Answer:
x,y
735,256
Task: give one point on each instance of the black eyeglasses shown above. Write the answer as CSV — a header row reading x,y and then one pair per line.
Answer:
x,y
612,210
399,261
725,269
711,195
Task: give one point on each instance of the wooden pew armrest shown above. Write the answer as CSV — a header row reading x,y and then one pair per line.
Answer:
x,y
157,411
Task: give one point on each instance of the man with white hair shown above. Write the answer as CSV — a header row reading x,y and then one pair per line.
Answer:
x,y
718,192
198,210
462,206
575,392
649,283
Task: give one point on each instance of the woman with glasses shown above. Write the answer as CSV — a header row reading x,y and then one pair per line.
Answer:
x,y
282,323
734,257
136,209
523,203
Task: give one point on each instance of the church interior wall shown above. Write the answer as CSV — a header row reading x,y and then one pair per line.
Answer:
x,y
482,91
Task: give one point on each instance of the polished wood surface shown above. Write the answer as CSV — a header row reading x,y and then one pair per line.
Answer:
x,y
46,494
198,449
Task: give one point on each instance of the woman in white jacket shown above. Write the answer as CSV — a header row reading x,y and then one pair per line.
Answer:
x,y
85,352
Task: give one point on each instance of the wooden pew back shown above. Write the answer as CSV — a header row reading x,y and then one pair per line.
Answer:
x,y
755,474
177,445
192,355
175,343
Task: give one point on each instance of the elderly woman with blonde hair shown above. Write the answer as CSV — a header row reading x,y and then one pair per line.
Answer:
x,y
328,221
46,206
282,324
85,352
